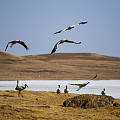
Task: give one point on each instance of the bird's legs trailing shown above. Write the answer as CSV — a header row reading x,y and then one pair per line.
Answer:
x,y
78,89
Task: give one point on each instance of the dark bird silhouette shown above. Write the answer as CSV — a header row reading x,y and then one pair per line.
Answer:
x,y
80,85
70,27
58,90
66,90
103,92
61,42
94,77
20,88
16,41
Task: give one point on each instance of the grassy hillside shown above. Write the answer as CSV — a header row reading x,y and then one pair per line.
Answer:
x,y
60,66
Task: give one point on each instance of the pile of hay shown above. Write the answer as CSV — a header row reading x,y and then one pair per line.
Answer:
x,y
88,101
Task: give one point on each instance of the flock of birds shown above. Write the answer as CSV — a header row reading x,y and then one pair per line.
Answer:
x,y
13,42
21,88
80,86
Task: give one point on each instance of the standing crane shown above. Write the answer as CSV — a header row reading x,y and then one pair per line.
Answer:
x,y
66,90
20,88
58,90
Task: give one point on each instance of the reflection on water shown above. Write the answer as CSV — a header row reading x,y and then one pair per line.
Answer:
x,y
95,87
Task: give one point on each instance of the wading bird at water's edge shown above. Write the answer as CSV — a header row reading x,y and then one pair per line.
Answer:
x,y
20,88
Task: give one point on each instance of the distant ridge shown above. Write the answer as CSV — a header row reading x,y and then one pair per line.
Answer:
x,y
59,66
4,55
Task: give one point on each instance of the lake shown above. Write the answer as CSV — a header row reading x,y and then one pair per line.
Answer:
x,y
95,87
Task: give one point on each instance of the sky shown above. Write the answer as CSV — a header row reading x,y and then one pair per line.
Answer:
x,y
35,21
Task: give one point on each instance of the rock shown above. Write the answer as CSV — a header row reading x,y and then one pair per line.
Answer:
x,y
88,101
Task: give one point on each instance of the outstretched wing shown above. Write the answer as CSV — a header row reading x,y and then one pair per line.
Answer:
x,y
55,47
70,41
23,44
68,28
82,22
78,88
76,84
58,32
94,77
7,46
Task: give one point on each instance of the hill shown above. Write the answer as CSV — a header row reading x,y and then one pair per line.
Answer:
x,y
59,66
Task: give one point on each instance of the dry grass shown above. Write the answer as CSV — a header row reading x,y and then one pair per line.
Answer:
x,y
60,66
31,107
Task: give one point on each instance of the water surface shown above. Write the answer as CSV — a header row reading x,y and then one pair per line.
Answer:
x,y
95,87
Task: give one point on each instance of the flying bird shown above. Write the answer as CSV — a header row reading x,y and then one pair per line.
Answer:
x,y
61,42
16,41
70,27
80,85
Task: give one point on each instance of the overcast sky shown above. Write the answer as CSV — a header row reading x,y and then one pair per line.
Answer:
x,y
35,21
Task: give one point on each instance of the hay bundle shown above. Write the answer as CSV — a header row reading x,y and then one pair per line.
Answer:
x,y
88,101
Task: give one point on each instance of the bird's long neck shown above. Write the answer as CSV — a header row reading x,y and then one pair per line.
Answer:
x,y
25,86
87,83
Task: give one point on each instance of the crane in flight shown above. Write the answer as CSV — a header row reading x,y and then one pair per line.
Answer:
x,y
16,41
61,42
70,27
80,85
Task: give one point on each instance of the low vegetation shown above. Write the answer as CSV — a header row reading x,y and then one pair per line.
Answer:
x,y
37,105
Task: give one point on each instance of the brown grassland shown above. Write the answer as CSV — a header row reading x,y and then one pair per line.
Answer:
x,y
59,66
37,105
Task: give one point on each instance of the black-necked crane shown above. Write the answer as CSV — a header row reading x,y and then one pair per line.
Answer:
x,y
94,77
58,90
66,90
71,27
103,92
16,41
61,42
80,85
20,88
